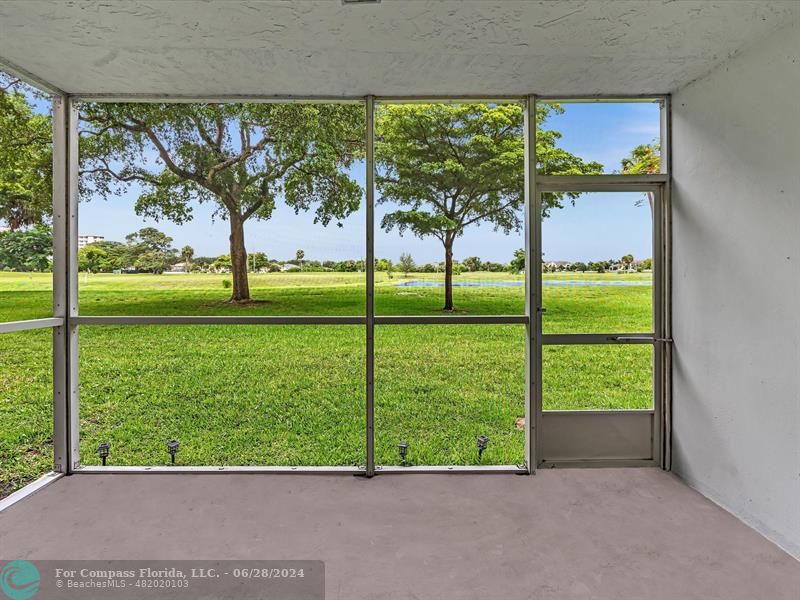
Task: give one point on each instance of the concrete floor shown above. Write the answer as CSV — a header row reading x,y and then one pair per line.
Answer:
x,y
606,533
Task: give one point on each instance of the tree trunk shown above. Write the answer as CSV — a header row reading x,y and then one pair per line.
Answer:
x,y
241,287
448,276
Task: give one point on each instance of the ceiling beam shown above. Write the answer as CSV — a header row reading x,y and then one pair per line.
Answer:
x,y
30,78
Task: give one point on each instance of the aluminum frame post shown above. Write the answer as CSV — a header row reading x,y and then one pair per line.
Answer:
x,y
531,367
66,440
658,327
666,207
370,271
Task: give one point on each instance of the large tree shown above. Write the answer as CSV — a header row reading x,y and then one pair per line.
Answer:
x,y
150,250
242,158
25,157
445,167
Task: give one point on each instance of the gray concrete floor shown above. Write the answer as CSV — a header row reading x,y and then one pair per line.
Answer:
x,y
606,533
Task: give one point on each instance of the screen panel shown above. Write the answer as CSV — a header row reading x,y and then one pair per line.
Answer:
x,y
231,395
597,377
26,202
597,262
222,209
449,208
26,407
611,137
439,387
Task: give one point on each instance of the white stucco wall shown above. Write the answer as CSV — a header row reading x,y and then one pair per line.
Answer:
x,y
736,165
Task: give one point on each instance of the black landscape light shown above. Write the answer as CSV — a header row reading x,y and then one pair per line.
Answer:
x,y
102,450
172,448
483,441
402,447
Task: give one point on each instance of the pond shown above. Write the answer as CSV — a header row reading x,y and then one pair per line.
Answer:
x,y
501,283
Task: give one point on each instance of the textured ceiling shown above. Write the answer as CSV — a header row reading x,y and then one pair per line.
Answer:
x,y
396,47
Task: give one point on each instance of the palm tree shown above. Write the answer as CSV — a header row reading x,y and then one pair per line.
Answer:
x,y
187,253
300,256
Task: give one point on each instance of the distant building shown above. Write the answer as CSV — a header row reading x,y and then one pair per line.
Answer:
x,y
85,240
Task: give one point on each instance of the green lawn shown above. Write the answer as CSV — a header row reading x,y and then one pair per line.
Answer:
x,y
294,395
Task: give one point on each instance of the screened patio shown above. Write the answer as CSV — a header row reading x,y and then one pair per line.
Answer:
x,y
657,476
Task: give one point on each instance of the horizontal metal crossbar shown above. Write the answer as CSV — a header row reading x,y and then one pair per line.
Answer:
x,y
284,98
309,470
544,182
564,339
476,469
464,99
598,463
601,98
302,320
219,320
610,411
47,323
287,99
551,339
451,320
221,98
121,470
596,188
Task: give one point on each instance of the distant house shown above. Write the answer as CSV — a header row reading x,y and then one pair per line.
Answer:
x,y
558,265
288,267
177,268
619,267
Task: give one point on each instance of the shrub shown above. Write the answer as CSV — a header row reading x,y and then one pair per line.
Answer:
x,y
227,283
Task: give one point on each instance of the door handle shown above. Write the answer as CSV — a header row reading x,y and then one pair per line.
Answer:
x,y
629,339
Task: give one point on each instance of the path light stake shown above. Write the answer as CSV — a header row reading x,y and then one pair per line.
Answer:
x,y
402,447
102,450
483,441
172,448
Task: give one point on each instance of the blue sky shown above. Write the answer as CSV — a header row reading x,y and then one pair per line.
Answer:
x,y
598,226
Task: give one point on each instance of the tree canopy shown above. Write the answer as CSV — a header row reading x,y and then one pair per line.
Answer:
x,y
25,158
146,250
151,250
643,159
27,249
242,158
517,263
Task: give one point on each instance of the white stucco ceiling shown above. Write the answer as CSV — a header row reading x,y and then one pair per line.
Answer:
x,y
396,47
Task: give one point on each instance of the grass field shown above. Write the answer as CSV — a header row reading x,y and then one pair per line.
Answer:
x,y
295,394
